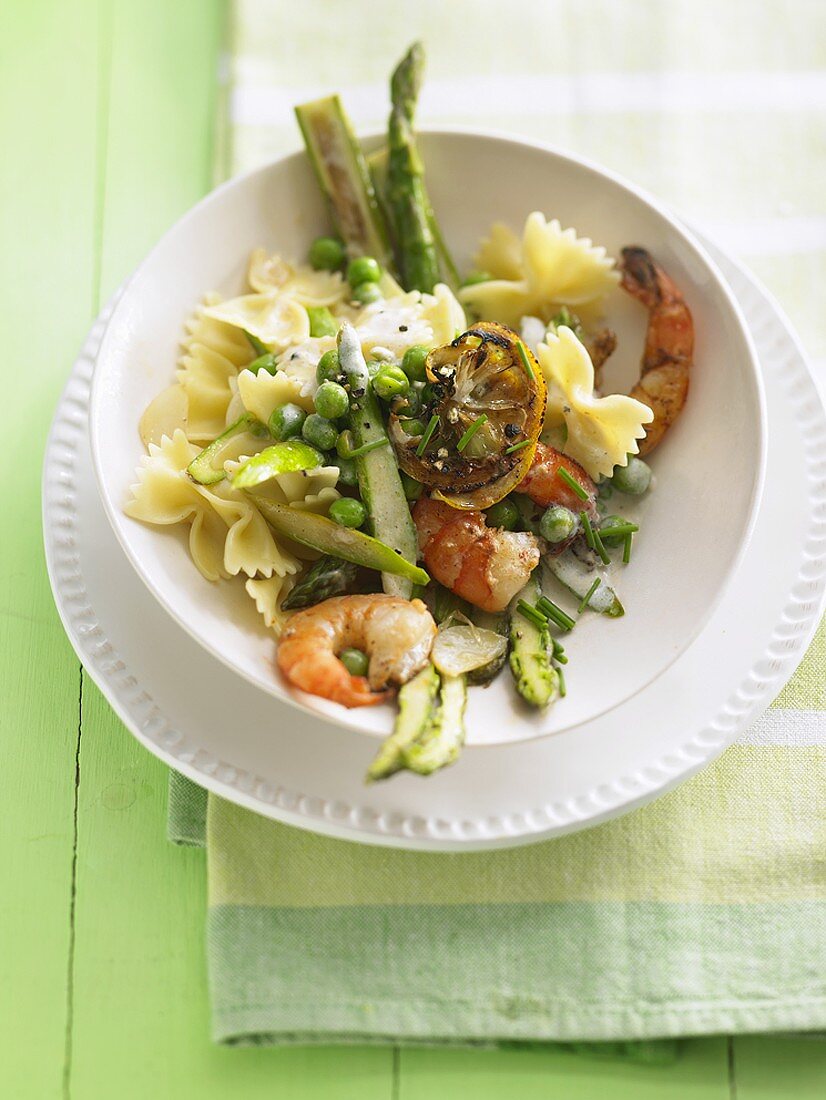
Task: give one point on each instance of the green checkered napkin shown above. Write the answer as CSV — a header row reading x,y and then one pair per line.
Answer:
x,y
704,911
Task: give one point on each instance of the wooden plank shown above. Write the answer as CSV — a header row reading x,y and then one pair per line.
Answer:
x,y
780,1066
699,1073
141,1011
48,106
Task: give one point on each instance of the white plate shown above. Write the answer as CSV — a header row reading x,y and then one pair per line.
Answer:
x,y
196,715
709,469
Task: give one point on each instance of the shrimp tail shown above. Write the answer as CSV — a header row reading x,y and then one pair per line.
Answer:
x,y
640,276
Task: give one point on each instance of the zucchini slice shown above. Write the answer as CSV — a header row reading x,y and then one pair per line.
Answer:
x,y
531,655
344,178
417,708
242,437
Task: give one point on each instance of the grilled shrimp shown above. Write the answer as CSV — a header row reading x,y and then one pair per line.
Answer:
x,y
545,487
395,634
484,565
669,342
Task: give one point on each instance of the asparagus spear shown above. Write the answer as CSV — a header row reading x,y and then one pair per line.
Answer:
x,y
328,577
344,178
377,469
407,201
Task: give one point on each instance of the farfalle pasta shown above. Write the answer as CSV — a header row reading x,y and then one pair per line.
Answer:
x,y
551,267
601,431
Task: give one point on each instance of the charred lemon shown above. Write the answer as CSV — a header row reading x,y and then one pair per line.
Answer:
x,y
481,424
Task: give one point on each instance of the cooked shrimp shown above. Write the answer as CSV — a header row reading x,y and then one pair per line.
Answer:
x,y
669,342
545,487
395,634
484,565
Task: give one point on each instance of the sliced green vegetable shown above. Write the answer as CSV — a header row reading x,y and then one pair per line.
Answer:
x,y
576,569
323,534
327,577
417,704
344,178
245,435
442,741
288,457
531,654
408,205
378,472
322,322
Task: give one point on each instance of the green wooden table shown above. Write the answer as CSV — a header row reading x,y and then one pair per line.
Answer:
x,y
106,110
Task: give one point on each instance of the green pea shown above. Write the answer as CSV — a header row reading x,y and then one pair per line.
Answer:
x,y
366,293
331,400
411,405
354,660
633,479
412,488
390,381
364,269
329,367
607,522
319,432
286,421
503,514
558,524
348,512
266,362
414,426
413,363
322,322
347,473
477,277
428,393
345,443
327,254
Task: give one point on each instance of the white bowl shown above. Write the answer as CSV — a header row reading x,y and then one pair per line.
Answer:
x,y
709,469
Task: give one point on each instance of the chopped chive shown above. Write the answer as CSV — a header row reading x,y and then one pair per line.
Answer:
x,y
428,432
619,529
563,690
626,550
365,447
572,483
600,548
517,446
588,529
527,611
472,430
586,599
560,617
526,363
563,660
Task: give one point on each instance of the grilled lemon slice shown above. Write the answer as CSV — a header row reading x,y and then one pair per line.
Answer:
x,y
483,420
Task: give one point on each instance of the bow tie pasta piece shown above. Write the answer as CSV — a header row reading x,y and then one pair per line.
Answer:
x,y
269,593
601,430
554,267
213,353
275,319
228,535
266,274
500,253
262,392
562,268
164,495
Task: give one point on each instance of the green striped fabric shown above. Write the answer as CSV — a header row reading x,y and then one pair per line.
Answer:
x,y
706,910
